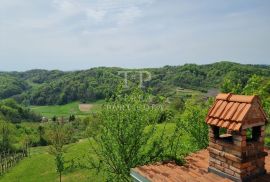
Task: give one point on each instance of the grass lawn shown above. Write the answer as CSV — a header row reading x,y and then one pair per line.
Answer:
x,y
65,110
40,166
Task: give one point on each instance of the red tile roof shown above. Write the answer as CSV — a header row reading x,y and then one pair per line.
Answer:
x,y
233,111
195,170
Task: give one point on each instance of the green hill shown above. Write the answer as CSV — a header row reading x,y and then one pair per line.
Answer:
x,y
12,111
42,87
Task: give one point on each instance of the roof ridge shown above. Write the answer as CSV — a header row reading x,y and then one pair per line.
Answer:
x,y
234,109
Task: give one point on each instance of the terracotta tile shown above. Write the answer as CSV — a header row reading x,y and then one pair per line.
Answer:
x,y
210,120
215,108
232,111
220,123
223,96
241,98
231,126
243,113
229,109
219,111
237,126
195,170
238,112
226,110
215,122
225,124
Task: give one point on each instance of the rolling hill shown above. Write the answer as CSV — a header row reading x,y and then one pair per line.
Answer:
x,y
43,87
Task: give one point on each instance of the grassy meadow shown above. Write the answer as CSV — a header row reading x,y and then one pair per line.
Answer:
x,y
40,166
66,110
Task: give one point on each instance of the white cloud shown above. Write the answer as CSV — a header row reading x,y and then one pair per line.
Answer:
x,y
128,15
67,6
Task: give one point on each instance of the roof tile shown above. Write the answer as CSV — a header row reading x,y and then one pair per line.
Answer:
x,y
237,127
241,98
223,96
225,124
220,109
215,107
231,126
231,111
220,123
226,110
238,111
243,113
196,169
215,122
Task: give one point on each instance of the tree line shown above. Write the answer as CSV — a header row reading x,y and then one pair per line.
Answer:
x,y
42,87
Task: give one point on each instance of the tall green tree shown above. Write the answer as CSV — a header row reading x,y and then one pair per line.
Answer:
x,y
128,124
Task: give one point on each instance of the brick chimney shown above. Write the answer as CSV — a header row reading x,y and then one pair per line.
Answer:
x,y
236,137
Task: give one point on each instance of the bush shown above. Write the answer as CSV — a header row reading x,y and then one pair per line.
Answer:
x,y
123,142
193,121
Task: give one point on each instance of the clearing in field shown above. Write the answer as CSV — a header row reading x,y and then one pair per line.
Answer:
x,y
65,110
85,107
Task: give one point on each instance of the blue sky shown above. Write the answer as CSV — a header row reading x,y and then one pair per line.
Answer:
x,y
79,34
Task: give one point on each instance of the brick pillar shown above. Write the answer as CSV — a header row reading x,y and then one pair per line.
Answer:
x,y
237,159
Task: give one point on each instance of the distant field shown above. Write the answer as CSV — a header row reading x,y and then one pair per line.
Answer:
x,y
65,110
85,107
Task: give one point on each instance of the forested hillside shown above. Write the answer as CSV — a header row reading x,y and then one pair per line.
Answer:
x,y
12,111
42,87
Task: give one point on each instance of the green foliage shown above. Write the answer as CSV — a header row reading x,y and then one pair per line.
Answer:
x,y
5,136
85,86
16,113
178,104
123,141
92,125
192,121
59,162
41,132
11,85
71,118
41,166
60,135
232,83
260,86
255,85
41,87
